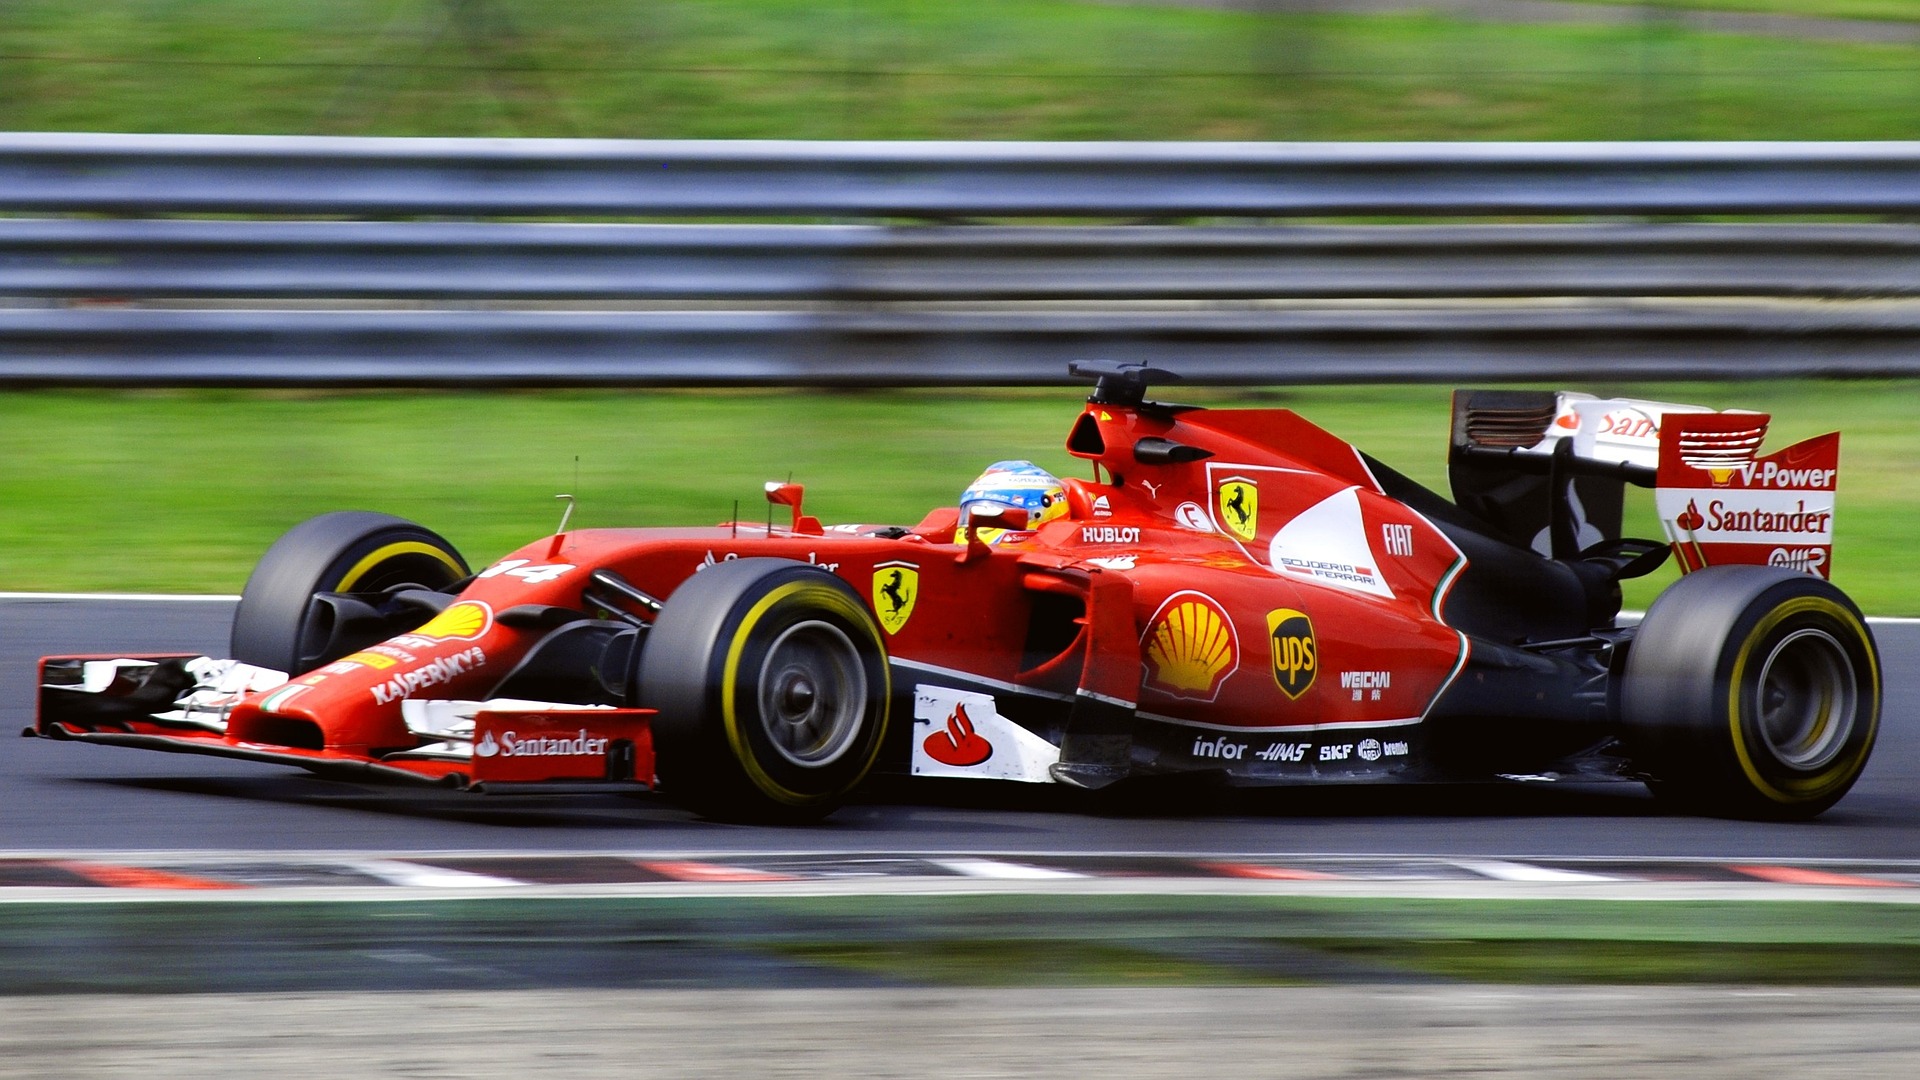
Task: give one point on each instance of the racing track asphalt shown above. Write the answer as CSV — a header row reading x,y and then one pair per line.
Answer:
x,y
57,797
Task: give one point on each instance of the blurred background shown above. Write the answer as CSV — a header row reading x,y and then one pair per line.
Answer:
x,y
985,69
200,481
179,490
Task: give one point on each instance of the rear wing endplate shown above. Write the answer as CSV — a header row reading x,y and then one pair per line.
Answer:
x,y
1722,503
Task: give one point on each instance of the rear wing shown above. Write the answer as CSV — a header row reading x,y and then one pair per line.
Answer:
x,y
1550,469
1721,503
1604,436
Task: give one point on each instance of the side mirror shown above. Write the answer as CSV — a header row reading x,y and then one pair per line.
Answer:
x,y
779,494
1011,517
1008,517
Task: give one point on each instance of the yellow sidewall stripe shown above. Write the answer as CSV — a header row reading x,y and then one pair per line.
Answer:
x,y
834,602
1869,694
393,551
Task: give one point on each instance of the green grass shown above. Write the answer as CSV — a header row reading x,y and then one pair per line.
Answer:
x,y
1007,940
181,491
1629,961
1257,962
998,962
1881,10
1291,940
899,69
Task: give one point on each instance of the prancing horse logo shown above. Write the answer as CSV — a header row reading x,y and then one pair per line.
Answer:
x,y
1239,506
896,585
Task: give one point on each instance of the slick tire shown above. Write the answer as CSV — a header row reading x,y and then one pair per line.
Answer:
x,y
1752,692
770,681
278,626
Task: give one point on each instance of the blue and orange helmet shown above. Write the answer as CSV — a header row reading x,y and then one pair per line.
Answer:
x,y
1016,485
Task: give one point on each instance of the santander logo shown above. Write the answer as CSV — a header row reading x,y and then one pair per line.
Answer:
x,y
1690,519
958,744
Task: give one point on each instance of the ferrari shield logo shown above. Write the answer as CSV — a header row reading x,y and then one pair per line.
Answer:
x,y
1290,633
896,585
1239,507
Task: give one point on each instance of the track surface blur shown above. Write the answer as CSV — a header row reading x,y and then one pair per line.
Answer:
x,y
1348,1032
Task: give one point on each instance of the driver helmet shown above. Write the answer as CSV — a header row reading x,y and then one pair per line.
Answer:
x,y
1018,485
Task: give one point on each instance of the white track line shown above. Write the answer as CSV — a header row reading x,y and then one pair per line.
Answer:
x,y
996,870
416,876
1500,870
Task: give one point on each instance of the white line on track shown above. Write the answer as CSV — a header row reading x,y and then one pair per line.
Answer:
x,y
414,875
996,870
1500,870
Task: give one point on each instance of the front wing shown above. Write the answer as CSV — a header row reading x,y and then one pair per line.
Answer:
x,y
178,703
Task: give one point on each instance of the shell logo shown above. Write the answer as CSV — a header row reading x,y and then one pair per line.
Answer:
x,y
1190,647
467,619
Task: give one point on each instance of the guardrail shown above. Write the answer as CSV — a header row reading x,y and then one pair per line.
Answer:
x,y
161,301
791,264
68,173
533,348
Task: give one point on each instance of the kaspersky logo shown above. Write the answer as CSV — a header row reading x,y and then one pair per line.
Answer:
x,y
1295,653
1237,506
896,585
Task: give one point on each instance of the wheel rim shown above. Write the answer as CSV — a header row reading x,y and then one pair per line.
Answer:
x,y
1808,699
813,693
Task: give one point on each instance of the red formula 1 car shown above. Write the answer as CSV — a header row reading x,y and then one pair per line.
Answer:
x,y
1233,592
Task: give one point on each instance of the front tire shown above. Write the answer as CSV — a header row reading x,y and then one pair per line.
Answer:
x,y
277,624
1752,691
770,681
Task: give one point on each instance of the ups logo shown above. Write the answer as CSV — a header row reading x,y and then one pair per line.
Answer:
x,y
1295,662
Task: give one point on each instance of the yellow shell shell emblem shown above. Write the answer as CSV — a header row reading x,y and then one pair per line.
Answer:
x,y
1190,648
1238,507
466,619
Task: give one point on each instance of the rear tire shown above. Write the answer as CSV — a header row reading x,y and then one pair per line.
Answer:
x,y
276,624
770,678
1752,691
